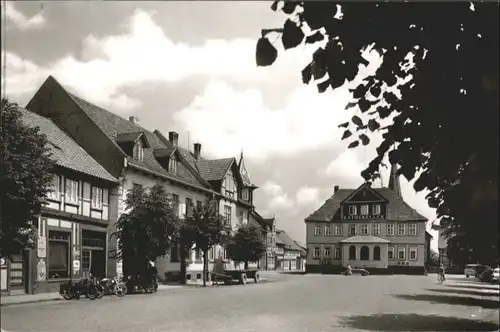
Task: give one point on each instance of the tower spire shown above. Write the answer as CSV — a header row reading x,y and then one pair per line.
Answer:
x,y
394,183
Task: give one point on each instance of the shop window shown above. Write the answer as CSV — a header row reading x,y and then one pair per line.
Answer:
x,y
59,260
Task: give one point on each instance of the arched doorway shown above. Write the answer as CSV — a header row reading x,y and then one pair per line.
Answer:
x,y
352,253
364,253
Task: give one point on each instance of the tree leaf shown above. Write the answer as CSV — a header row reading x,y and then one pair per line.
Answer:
x,y
383,112
344,125
292,35
353,144
364,139
289,7
274,6
364,105
346,134
357,121
265,53
307,74
375,91
323,86
318,70
351,105
315,37
373,125
360,91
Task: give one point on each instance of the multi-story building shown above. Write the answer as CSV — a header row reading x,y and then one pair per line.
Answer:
x,y
289,253
367,227
139,157
442,245
75,220
268,237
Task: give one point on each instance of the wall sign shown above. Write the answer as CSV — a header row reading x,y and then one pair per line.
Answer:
x,y
42,247
363,217
2,261
76,266
41,270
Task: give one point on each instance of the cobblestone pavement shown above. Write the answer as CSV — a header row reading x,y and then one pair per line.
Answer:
x,y
288,303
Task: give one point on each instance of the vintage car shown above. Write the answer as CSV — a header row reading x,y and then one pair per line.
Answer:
x,y
356,270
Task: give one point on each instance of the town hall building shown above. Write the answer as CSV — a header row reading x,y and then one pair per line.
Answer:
x,y
367,227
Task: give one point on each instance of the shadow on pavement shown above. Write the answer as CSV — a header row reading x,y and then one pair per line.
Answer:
x,y
414,322
475,292
474,286
448,299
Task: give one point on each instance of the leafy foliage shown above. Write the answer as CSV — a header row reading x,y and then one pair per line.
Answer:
x,y
440,62
246,245
148,230
25,178
203,227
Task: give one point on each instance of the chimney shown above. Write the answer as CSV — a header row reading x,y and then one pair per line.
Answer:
x,y
133,119
173,137
197,150
335,189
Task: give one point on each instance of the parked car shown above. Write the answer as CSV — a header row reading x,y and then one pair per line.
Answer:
x,y
486,275
474,270
496,274
355,270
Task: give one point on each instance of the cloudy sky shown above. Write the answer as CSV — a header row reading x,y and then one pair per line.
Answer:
x,y
190,67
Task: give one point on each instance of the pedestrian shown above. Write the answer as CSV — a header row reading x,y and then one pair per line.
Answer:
x,y
441,274
349,270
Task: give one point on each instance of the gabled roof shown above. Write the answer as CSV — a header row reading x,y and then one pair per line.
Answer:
x,y
365,239
164,152
214,170
65,151
244,173
132,138
398,209
287,240
367,188
263,222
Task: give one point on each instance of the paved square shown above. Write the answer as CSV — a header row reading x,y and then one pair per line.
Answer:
x,y
288,303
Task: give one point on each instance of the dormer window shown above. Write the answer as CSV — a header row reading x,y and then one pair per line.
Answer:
x,y
353,210
138,151
172,164
244,194
229,185
376,209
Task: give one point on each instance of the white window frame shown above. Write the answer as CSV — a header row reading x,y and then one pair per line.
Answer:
x,y
227,214
337,254
172,164
376,209
338,229
244,194
412,229
390,229
363,229
355,230
392,251
327,252
97,198
138,153
412,250
71,195
316,252
376,229
353,210
401,228
55,189
317,230
401,250
328,230
365,210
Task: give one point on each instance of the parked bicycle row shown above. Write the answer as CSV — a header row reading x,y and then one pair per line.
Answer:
x,y
95,288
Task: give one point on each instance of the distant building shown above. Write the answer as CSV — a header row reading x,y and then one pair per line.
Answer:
x,y
268,237
442,245
289,253
367,227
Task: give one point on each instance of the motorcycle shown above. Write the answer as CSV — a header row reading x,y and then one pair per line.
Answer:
x,y
108,286
87,287
140,284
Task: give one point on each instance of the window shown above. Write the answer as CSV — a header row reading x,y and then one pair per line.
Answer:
x,y
317,230
172,164
174,253
96,198
352,253
390,229
336,255
376,253
353,210
138,153
54,188
338,230
71,191
240,217
364,229
328,252
365,209
401,253
412,229
401,229
328,230
413,253
390,253
136,186
175,203
376,209
197,254
316,252
199,204
229,185
211,253
59,260
352,229
364,254
376,229
85,259
189,206
227,214
244,194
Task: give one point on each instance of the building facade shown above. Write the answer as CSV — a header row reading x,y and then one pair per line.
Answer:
x,y
372,228
289,253
268,227
139,157
74,225
442,246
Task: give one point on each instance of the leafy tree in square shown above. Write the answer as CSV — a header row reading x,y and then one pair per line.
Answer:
x,y
246,245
